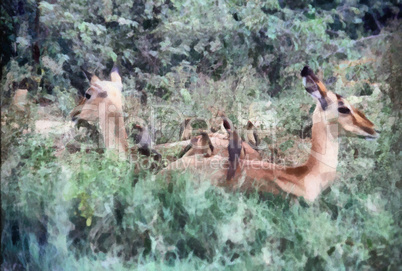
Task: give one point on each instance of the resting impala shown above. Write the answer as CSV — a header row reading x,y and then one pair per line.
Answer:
x,y
103,103
199,145
332,116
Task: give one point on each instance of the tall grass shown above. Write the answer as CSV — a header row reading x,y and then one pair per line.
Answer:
x,y
92,212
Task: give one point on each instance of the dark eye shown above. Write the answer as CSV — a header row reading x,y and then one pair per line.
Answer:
x,y
87,96
343,110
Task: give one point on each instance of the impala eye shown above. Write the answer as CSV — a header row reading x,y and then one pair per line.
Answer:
x,y
343,110
87,96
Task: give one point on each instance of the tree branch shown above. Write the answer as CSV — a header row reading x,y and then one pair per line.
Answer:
x,y
370,37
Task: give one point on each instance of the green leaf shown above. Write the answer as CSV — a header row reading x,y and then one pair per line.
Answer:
x,y
46,6
113,56
89,221
186,95
82,26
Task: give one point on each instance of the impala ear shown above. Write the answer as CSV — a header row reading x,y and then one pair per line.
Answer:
x,y
227,124
314,86
114,74
323,102
316,92
92,78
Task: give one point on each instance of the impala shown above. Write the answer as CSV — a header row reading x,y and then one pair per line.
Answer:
x,y
103,103
186,130
332,116
200,145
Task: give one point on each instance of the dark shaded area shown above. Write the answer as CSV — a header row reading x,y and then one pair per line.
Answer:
x,y
214,64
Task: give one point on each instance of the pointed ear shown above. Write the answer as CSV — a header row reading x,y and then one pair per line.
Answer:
x,y
92,78
322,94
114,74
321,98
227,124
323,103
250,124
314,86
322,88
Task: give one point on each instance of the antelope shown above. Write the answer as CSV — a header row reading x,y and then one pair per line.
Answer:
x,y
103,103
216,122
207,145
235,149
332,118
186,130
144,143
252,136
198,145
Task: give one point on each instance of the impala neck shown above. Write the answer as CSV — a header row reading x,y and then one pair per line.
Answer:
x,y
323,158
325,145
113,129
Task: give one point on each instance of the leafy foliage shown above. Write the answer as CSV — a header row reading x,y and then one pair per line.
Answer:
x,y
90,211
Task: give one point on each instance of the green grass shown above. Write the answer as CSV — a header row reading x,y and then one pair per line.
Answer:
x,y
92,212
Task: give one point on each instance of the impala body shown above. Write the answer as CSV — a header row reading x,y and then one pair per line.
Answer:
x,y
332,116
219,142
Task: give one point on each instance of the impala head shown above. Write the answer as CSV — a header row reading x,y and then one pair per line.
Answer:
x,y
100,92
103,103
250,125
216,122
353,120
138,127
336,108
227,123
187,121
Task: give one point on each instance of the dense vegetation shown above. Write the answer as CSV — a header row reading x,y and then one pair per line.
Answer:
x,y
89,211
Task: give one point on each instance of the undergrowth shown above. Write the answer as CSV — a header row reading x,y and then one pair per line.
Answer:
x,y
94,211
